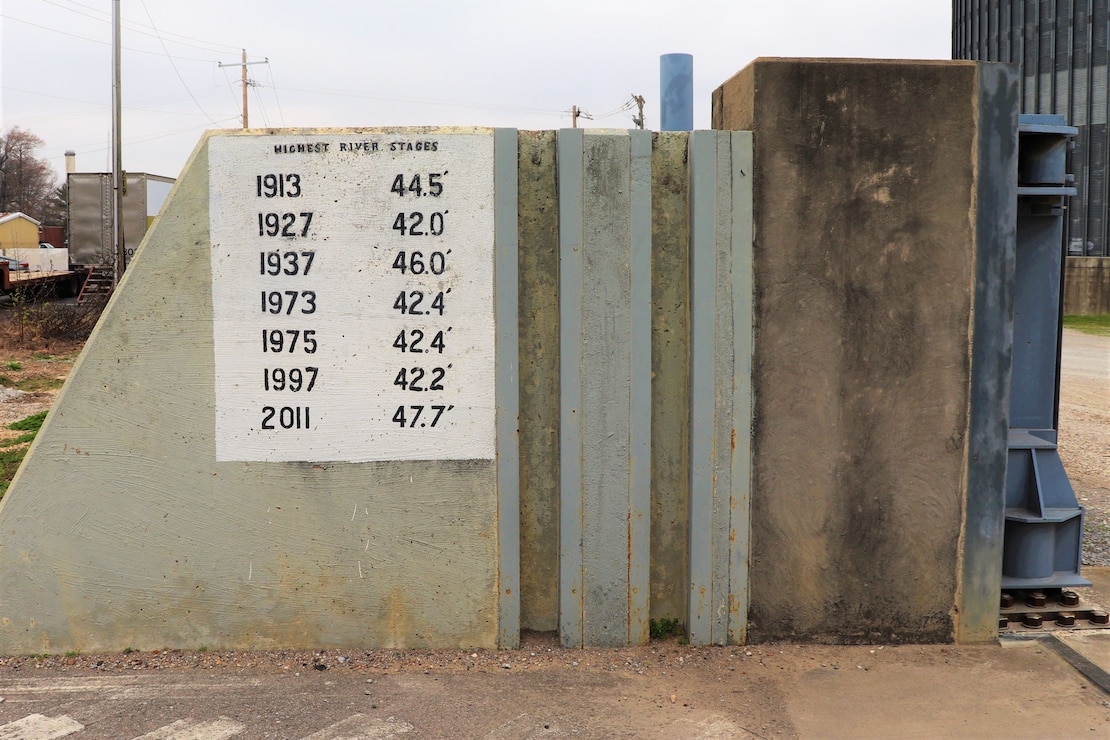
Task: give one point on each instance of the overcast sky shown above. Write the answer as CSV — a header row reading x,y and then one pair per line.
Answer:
x,y
511,63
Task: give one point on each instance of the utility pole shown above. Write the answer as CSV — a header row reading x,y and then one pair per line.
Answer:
x,y
246,83
576,113
119,183
638,119
245,124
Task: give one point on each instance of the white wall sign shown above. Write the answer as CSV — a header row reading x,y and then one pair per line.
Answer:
x,y
352,296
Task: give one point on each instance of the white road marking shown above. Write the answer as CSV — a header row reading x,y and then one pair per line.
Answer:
x,y
40,727
712,727
524,725
215,729
361,727
109,687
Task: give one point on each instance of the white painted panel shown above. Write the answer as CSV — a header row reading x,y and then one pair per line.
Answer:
x,y
334,199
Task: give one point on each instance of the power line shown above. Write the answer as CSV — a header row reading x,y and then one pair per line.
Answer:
x,y
136,27
175,70
101,105
165,99
98,41
154,137
423,101
575,114
228,83
273,86
246,82
48,95
93,149
625,106
261,104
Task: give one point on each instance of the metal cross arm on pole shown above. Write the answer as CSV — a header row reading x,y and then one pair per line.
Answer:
x,y
246,83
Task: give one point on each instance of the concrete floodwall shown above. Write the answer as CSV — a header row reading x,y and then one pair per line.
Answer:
x,y
884,218
134,450
848,271
1087,286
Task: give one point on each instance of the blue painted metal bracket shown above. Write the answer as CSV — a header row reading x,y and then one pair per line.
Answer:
x,y
1044,521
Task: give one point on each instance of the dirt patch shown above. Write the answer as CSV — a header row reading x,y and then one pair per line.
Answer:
x,y
31,376
32,371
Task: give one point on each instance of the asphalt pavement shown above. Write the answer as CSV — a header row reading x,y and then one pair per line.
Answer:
x,y
1022,689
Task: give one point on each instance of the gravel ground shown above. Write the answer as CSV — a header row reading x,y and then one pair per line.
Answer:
x,y
1085,435
537,650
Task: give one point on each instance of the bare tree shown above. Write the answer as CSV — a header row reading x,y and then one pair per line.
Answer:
x,y
27,183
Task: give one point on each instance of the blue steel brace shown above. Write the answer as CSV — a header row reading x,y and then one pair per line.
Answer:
x,y
1044,521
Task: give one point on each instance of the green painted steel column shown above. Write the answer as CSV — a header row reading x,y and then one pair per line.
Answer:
x,y
507,359
720,385
605,363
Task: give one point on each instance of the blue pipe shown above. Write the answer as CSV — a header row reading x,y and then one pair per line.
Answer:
x,y
676,92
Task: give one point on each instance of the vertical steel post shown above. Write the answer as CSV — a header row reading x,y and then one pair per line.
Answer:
x,y
605,384
720,385
118,184
506,290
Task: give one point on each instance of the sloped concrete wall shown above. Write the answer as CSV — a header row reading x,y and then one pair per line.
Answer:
x,y
122,530
874,266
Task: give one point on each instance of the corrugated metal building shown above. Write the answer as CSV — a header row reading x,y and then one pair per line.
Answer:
x,y
1062,48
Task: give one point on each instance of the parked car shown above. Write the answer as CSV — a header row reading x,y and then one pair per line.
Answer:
x,y
14,265
46,245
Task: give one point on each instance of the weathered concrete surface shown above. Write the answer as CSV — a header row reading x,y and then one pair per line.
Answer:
x,y
865,272
670,366
720,385
539,380
1087,285
122,531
